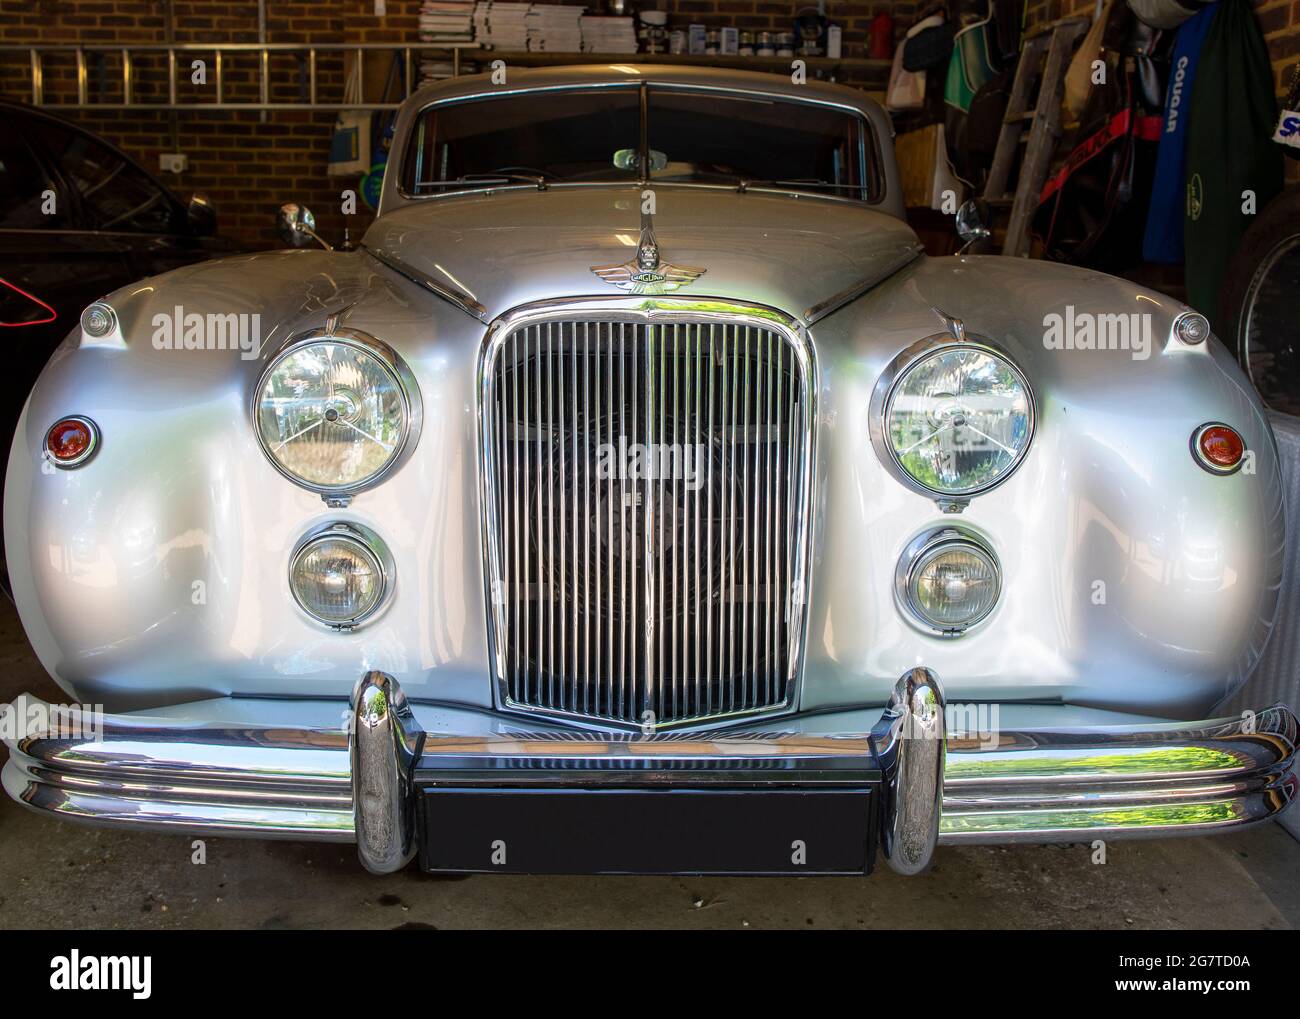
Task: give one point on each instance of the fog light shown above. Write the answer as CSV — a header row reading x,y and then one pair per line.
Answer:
x,y
71,441
948,580
341,575
1218,448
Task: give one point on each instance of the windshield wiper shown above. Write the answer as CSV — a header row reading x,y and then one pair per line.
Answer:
x,y
744,185
487,178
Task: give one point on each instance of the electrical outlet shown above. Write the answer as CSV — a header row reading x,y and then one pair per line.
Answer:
x,y
173,162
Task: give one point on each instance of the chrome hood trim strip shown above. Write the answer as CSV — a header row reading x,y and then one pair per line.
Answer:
x,y
459,298
850,294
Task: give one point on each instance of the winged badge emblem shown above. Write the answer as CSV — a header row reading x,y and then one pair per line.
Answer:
x,y
646,274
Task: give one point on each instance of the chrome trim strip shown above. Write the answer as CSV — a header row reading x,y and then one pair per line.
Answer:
x,y
459,298
266,782
650,310
851,293
1070,786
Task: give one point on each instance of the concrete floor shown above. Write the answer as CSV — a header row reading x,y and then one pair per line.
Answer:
x,y
57,875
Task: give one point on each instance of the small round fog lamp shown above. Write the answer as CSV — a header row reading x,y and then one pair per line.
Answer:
x,y
341,575
948,580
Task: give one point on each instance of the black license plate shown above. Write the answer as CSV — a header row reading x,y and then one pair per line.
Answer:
x,y
647,831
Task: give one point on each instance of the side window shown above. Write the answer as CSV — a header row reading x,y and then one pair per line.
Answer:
x,y
116,194
23,187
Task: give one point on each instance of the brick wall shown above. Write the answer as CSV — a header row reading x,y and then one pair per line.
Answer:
x,y
248,163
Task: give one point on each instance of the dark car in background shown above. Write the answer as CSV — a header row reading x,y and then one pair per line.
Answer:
x,y
78,219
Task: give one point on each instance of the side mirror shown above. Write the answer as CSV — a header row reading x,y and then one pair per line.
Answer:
x,y
201,215
297,226
972,223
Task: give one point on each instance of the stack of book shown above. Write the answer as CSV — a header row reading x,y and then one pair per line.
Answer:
x,y
432,69
608,35
555,28
503,26
447,21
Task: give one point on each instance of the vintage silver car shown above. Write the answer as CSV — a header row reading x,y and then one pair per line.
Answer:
x,y
639,498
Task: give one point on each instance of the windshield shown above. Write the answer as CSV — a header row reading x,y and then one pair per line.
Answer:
x,y
594,135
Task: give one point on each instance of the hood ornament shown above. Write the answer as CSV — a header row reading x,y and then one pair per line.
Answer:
x,y
646,274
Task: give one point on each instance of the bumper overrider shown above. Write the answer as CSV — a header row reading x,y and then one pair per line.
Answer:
x,y
695,802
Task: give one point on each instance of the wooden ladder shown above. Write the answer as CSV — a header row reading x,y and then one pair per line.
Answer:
x,y
1057,42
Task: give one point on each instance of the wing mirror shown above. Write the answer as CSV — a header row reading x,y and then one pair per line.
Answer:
x,y
297,226
629,159
972,223
201,215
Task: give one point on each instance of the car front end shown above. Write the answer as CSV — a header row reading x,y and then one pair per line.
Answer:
x,y
666,516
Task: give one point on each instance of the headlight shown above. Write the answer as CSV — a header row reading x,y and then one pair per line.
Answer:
x,y
958,419
948,580
341,575
335,412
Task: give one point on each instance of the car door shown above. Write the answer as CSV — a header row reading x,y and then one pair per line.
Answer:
x,y
120,200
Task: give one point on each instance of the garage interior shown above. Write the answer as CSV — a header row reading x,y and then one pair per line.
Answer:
x,y
1048,141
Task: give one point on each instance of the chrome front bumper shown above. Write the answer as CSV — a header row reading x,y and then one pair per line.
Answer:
x,y
1028,785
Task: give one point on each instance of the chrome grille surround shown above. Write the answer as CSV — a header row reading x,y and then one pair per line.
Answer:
x,y
635,614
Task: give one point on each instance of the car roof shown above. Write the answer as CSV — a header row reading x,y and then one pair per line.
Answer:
x,y
528,79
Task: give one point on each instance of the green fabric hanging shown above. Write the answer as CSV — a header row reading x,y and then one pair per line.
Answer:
x,y
970,66
1232,116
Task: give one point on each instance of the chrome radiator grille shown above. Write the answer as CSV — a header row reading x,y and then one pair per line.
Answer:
x,y
646,494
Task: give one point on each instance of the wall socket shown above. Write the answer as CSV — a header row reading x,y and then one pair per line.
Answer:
x,y
173,162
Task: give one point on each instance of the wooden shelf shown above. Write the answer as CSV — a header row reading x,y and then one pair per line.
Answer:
x,y
530,58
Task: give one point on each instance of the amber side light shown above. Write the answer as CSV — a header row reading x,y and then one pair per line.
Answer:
x,y
1218,448
71,441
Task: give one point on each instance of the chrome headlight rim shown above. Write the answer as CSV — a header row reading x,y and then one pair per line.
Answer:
x,y
398,371
371,547
897,371
919,552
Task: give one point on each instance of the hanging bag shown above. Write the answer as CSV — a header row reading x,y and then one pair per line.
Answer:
x,y
930,49
350,146
1163,240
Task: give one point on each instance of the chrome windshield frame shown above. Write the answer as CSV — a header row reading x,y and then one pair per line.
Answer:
x,y
872,181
